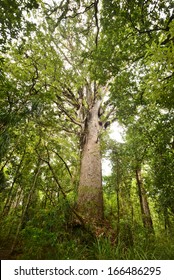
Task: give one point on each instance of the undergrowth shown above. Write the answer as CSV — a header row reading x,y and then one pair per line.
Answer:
x,y
46,237
38,244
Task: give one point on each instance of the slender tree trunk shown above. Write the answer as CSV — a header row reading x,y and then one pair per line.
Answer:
x,y
12,192
26,205
145,210
166,220
90,196
118,211
118,198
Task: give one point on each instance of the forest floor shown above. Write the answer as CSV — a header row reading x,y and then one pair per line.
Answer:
x,y
76,243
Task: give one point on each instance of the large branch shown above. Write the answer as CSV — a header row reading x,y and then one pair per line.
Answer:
x,y
71,118
63,162
65,111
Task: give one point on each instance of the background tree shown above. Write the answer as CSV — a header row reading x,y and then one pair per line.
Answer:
x,y
12,16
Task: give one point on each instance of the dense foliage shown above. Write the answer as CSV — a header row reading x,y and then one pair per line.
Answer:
x,y
63,57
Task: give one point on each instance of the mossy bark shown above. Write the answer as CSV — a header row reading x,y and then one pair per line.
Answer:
x,y
90,195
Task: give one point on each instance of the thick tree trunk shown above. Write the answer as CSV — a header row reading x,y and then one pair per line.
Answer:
x,y
90,195
145,210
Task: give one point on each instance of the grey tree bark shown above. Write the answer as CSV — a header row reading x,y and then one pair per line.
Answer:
x,y
90,194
